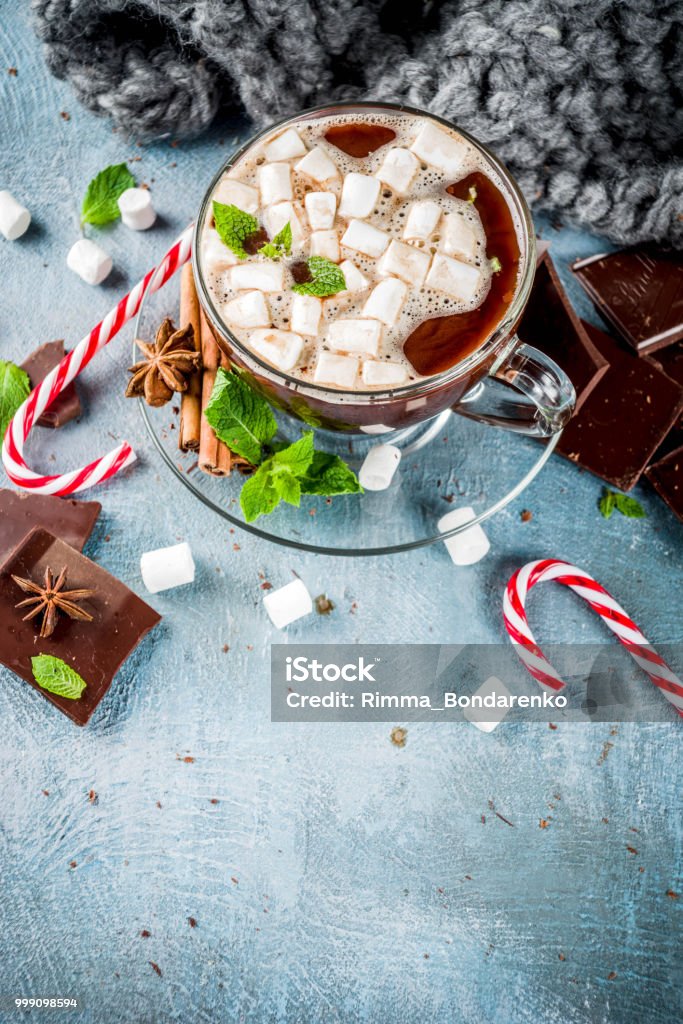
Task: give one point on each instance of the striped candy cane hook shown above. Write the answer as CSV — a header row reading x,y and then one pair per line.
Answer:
x,y
601,602
71,365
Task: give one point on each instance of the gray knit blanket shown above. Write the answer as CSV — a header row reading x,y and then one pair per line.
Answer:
x,y
582,99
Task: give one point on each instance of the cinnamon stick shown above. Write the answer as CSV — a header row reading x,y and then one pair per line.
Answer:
x,y
215,457
191,402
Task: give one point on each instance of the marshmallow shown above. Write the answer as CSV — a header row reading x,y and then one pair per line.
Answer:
x,y
14,218
385,301
467,547
234,193
338,370
404,261
439,149
89,261
215,253
267,277
325,243
167,567
355,336
317,165
365,238
279,214
383,373
422,219
305,315
398,169
492,688
453,277
285,146
281,348
137,212
287,604
355,280
359,195
379,467
457,237
275,183
248,310
320,207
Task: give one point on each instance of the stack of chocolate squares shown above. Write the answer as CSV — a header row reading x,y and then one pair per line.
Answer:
x,y
629,412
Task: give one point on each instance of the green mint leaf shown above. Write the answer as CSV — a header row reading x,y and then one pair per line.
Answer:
x,y
270,251
100,203
327,475
258,497
297,457
495,264
240,417
57,677
283,238
607,503
629,507
277,479
15,387
234,227
328,279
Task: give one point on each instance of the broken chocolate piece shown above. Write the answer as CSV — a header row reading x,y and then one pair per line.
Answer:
x,y
640,292
625,419
670,361
550,323
359,140
66,406
666,476
21,511
97,649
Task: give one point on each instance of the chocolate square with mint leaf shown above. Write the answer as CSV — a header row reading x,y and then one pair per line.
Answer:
x,y
66,406
21,512
95,646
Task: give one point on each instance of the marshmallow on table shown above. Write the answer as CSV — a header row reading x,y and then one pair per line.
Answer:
x,y
14,218
493,687
317,165
383,373
422,219
285,146
467,547
234,193
359,195
279,214
305,314
385,301
248,310
365,238
355,336
320,208
288,603
281,348
89,261
398,169
167,567
355,280
275,183
266,277
340,371
379,467
325,243
404,261
215,253
460,280
137,211
457,237
439,149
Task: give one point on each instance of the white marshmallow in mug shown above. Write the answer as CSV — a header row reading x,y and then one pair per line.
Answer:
x,y
355,335
287,604
398,169
469,546
440,149
167,567
275,183
404,261
379,467
281,348
325,243
339,371
317,165
89,261
14,218
320,208
359,195
461,280
422,219
305,314
383,373
137,210
234,193
355,280
285,146
386,300
365,238
249,309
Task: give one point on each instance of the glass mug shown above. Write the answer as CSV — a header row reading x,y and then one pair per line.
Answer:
x,y
503,381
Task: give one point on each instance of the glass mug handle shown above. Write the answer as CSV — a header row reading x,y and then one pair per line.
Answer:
x,y
525,391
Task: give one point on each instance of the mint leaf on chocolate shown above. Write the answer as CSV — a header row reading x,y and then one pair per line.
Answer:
x,y
234,227
57,677
15,388
328,475
327,278
628,507
240,417
281,244
100,204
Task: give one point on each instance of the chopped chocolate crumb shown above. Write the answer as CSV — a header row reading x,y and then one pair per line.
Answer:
x,y
214,800
551,725
671,894
45,792
145,934
234,880
155,967
225,648
526,516
192,921
561,956
605,821
266,586
73,864
188,759
543,823
399,736
13,72
158,804
606,747
64,116
611,976
93,797
632,850
323,605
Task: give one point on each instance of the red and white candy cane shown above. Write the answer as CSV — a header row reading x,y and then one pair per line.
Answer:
x,y
69,368
601,602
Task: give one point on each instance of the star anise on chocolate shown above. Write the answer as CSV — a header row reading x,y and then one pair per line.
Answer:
x,y
167,366
51,599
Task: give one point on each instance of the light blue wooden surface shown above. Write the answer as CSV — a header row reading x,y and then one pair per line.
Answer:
x,y
332,876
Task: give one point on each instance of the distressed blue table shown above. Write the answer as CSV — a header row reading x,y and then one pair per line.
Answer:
x,y
227,869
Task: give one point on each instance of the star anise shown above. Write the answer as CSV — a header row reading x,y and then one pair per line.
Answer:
x,y
51,599
167,366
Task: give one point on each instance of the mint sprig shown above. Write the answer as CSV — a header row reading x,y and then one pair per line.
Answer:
x,y
281,244
239,416
234,226
327,278
15,388
327,475
55,676
100,204
627,506
277,479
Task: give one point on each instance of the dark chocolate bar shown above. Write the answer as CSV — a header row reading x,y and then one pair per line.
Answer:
x,y
666,476
66,406
21,511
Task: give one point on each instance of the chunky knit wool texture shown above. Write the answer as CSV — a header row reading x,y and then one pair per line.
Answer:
x,y
582,99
